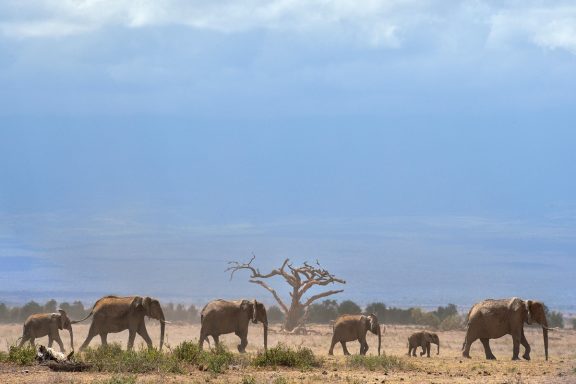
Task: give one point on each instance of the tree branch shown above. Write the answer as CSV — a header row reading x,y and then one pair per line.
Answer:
x,y
320,295
273,292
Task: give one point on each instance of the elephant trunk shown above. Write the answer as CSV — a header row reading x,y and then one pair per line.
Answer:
x,y
265,336
162,327
438,349
71,338
379,339
545,334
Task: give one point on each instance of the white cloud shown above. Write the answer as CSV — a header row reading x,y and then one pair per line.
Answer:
x,y
549,28
42,28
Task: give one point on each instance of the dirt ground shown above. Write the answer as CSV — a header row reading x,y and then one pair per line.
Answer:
x,y
448,367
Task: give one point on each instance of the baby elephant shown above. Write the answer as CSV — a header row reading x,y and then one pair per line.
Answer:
x,y
422,339
355,327
42,324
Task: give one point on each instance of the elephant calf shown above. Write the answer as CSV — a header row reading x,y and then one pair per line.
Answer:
x,y
219,317
354,327
422,339
47,324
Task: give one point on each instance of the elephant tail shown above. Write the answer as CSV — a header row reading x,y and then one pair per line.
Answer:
x,y
79,321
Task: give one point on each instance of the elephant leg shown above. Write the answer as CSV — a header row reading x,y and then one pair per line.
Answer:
x,y
60,343
363,347
203,337
23,340
88,340
131,337
50,341
409,350
516,336
344,349
332,344
423,346
143,332
487,350
427,349
216,340
32,339
524,342
468,340
243,335
104,338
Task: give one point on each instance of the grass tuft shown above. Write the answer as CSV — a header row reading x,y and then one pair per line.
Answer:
x,y
112,358
22,355
216,360
382,362
119,379
248,380
282,355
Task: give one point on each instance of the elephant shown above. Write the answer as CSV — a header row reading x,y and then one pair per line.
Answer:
x,y
354,327
115,314
492,319
220,316
42,324
422,339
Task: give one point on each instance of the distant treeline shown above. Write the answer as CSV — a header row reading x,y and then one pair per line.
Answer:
x,y
443,317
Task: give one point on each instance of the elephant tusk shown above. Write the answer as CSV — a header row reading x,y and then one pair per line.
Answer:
x,y
166,322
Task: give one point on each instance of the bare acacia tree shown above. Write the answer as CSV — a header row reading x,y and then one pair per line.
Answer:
x,y
301,279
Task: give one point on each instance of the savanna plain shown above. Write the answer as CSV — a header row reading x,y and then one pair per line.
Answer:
x,y
394,367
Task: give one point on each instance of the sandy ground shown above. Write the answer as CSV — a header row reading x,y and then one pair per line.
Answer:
x,y
448,367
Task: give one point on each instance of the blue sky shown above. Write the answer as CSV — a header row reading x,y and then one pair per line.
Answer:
x,y
145,143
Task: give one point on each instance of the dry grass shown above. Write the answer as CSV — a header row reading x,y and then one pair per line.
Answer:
x,y
448,367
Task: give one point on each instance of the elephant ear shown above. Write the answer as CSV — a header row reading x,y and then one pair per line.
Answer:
x,y
136,303
246,306
255,311
147,304
428,337
373,323
63,318
528,304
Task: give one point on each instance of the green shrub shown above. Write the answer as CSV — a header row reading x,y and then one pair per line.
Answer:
x,y
3,356
22,355
248,380
280,380
382,362
112,358
282,355
218,359
189,352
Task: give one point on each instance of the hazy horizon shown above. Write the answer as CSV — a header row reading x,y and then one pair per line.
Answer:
x,y
422,151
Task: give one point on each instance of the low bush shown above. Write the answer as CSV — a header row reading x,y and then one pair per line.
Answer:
x,y
248,380
383,362
282,355
112,358
22,355
216,360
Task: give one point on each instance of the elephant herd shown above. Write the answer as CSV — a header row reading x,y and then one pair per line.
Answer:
x,y
488,319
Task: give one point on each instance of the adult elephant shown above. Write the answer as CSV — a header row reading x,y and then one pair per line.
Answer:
x,y
354,327
47,324
115,314
492,319
219,317
422,339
